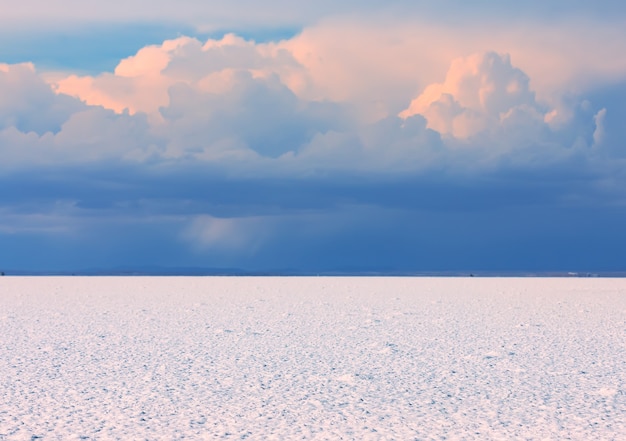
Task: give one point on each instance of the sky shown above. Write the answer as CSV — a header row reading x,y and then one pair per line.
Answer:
x,y
313,136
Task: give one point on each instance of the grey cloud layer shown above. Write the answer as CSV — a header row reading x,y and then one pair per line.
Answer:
x,y
228,14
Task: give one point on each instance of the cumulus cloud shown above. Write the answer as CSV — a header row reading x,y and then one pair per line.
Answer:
x,y
222,98
300,106
141,83
225,99
231,102
488,115
382,63
479,92
376,65
28,104
260,115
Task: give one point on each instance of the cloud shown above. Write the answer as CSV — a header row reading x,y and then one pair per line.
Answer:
x,y
489,118
232,235
380,62
376,64
27,102
297,106
257,114
136,85
222,98
220,14
230,148
479,91
141,83
600,131
235,102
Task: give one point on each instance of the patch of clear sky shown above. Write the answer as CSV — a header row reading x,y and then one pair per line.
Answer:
x,y
99,48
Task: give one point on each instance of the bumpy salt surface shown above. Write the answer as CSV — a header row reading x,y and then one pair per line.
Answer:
x,y
312,358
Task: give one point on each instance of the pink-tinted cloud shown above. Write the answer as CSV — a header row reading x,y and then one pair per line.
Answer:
x,y
328,97
376,66
141,83
480,91
379,63
27,102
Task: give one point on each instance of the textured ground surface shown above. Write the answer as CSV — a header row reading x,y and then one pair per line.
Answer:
x,y
312,358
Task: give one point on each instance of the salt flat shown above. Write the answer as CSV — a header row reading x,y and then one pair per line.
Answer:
x,y
312,358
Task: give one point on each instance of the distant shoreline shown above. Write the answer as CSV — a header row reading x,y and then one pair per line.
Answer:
x,y
292,273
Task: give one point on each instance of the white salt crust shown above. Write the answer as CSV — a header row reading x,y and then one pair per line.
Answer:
x,y
149,358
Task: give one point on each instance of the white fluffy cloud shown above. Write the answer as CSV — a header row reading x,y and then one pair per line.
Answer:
x,y
377,65
480,92
28,103
314,101
485,106
141,83
382,64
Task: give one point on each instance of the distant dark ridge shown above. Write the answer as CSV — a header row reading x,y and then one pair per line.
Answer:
x,y
233,272
134,272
